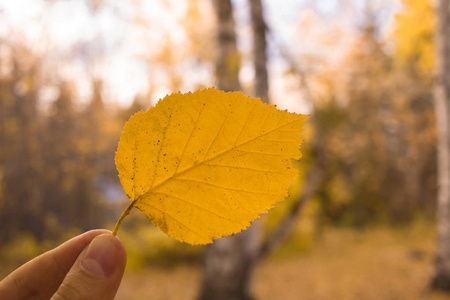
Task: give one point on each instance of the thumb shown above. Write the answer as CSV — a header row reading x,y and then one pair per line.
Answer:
x,y
97,272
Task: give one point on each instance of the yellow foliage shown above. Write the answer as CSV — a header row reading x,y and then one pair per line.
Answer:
x,y
340,191
414,34
203,165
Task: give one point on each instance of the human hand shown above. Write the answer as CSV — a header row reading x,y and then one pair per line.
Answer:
x,y
89,266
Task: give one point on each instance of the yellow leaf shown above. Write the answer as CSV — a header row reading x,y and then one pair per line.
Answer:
x,y
205,164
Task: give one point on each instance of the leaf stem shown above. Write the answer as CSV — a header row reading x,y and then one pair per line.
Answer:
x,y
122,217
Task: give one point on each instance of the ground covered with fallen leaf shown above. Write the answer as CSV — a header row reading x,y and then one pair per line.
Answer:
x,y
346,264
377,263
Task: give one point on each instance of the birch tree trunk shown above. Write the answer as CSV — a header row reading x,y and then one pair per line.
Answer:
x,y
441,278
228,58
229,262
259,51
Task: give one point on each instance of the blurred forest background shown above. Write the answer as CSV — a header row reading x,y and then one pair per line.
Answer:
x,y
363,209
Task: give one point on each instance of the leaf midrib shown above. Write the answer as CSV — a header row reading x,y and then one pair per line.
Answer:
x,y
211,158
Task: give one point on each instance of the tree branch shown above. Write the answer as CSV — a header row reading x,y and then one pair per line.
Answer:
x,y
312,181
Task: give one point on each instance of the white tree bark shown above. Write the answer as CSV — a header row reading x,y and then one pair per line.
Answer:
x,y
229,263
227,58
441,278
259,51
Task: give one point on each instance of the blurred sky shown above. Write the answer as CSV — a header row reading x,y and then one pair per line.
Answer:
x,y
106,41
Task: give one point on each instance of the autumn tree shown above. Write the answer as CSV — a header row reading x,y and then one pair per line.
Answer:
x,y
373,123
51,159
229,263
414,49
20,152
96,146
226,261
61,160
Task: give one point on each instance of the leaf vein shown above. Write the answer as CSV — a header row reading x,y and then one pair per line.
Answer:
x,y
277,141
199,207
223,187
218,131
161,148
267,153
246,168
265,122
175,175
173,218
133,191
299,130
189,139
245,123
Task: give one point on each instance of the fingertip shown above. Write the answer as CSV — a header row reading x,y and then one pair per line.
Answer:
x,y
98,271
104,256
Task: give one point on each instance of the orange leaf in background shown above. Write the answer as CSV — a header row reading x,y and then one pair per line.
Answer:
x,y
205,164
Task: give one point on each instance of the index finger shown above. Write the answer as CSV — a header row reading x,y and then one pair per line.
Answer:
x,y
41,277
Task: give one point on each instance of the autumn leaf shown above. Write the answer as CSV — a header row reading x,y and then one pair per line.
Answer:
x,y
205,164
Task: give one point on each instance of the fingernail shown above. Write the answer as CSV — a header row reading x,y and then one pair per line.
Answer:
x,y
101,256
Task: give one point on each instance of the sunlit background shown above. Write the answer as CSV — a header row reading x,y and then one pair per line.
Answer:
x,y
72,72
